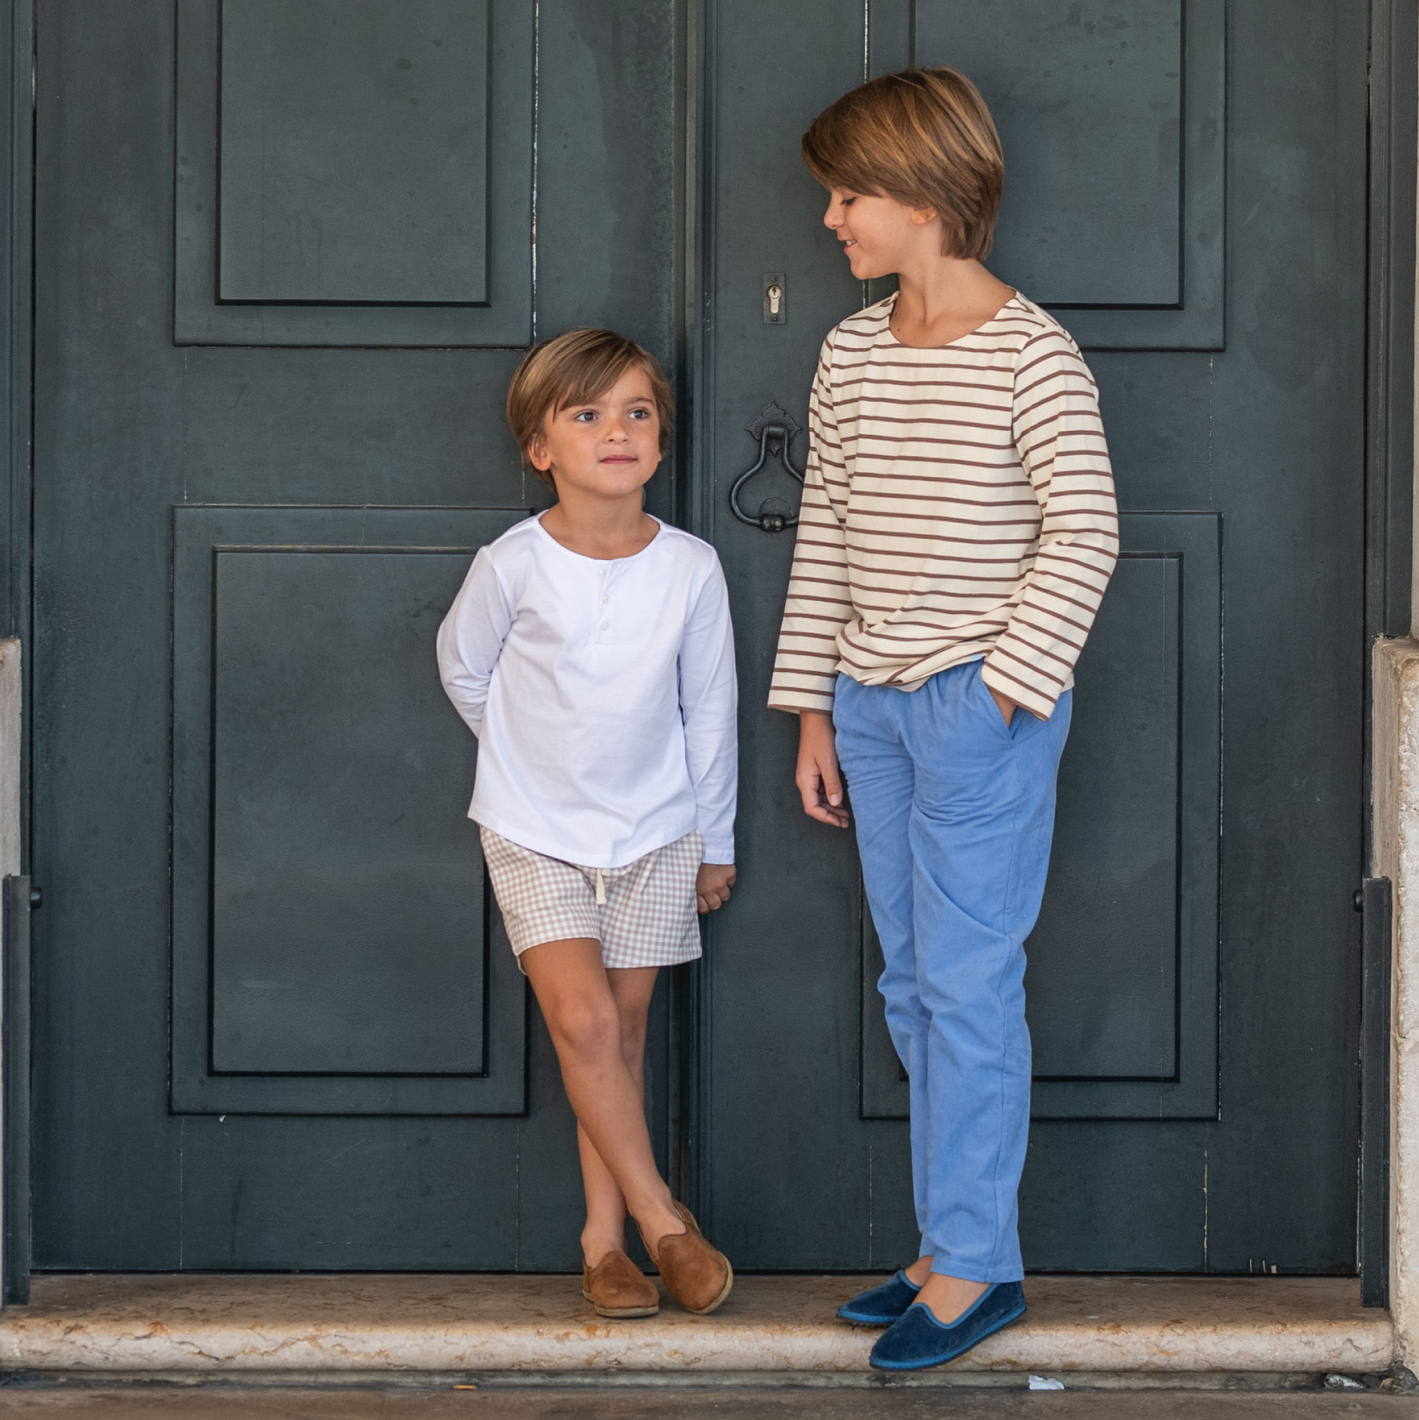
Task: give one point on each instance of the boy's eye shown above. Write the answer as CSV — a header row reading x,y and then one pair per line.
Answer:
x,y
848,201
640,414
586,414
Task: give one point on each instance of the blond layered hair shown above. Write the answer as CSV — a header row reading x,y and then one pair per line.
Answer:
x,y
578,367
923,137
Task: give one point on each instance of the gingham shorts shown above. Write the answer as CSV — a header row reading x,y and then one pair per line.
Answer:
x,y
642,914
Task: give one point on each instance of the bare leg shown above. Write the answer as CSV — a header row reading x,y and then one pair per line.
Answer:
x,y
580,1010
947,1297
631,988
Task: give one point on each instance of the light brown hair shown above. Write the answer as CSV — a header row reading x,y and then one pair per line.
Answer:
x,y
578,367
923,137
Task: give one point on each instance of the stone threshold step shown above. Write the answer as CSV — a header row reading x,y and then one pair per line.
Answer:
x,y
199,1324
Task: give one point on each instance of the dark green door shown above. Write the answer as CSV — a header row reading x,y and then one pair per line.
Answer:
x,y
1185,187
288,252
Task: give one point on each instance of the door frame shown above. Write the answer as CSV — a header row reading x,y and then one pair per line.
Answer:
x,y
1391,262
17,51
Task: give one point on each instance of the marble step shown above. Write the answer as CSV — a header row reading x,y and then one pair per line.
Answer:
x,y
314,1325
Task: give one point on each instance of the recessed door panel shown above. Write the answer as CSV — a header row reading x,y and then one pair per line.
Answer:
x,y
354,172
334,946
1122,978
1112,118
353,152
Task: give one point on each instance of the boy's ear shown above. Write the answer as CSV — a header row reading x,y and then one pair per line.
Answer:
x,y
538,453
923,215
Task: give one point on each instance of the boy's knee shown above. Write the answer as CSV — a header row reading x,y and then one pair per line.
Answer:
x,y
633,1049
587,1028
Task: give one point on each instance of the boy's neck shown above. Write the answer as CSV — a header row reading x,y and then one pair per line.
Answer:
x,y
602,528
941,298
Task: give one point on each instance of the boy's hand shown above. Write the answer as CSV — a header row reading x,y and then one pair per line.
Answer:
x,y
1005,705
818,779
712,884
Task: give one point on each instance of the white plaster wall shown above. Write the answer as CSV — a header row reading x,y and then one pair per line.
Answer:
x,y
1396,857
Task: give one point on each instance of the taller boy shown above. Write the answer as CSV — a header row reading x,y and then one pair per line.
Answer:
x,y
957,533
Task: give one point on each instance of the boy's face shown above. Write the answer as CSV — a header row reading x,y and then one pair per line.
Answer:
x,y
879,234
607,448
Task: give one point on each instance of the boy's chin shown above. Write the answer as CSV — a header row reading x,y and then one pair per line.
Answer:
x,y
865,269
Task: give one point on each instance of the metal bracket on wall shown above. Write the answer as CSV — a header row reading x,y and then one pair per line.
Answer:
x,y
1374,900
774,429
21,898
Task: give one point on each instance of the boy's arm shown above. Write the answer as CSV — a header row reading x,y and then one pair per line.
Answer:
x,y
819,603
709,704
1060,438
471,639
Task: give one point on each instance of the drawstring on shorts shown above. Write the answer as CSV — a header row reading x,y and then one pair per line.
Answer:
x,y
600,888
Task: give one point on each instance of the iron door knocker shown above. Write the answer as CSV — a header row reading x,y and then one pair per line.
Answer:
x,y
768,522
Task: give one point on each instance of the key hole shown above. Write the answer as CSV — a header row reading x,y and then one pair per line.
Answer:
x,y
775,295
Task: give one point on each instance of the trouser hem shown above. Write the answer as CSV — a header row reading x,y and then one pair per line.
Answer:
x,y
945,1267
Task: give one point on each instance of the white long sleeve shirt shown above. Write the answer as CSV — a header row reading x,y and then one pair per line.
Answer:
x,y
603,695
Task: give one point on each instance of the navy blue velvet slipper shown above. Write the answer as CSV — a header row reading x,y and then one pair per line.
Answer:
x,y
917,1340
882,1305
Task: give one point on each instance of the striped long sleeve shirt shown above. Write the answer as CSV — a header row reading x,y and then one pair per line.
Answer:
x,y
958,505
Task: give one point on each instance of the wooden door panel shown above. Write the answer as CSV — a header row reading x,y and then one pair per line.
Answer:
x,y
316,179
1122,980
1093,139
351,172
1191,987
1113,121
441,1145
335,949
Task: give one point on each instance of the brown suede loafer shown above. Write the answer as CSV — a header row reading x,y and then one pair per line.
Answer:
x,y
697,1275
616,1287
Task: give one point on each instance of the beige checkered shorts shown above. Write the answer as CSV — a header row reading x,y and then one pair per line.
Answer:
x,y
643,914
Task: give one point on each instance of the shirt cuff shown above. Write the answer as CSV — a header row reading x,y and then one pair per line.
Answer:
x,y
795,700
1028,697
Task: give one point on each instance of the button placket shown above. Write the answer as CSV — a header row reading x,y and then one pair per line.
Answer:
x,y
603,607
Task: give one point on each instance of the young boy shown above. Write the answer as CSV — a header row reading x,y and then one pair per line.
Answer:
x,y
957,533
590,651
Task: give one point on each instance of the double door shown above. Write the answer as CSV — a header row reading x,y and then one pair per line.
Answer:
x,y
288,255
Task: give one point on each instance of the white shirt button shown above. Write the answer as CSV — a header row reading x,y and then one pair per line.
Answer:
x,y
605,625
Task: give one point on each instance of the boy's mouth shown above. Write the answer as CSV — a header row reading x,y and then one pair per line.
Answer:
x,y
620,458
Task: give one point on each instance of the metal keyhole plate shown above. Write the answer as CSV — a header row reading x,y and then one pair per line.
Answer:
x,y
775,293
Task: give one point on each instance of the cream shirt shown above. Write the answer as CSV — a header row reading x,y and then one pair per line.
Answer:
x,y
958,506
603,695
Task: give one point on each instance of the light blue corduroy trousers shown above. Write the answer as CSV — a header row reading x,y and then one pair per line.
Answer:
x,y
954,814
